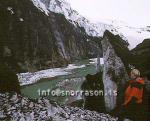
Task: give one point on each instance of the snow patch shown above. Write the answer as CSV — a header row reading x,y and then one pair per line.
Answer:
x,y
73,66
30,78
94,61
40,6
21,19
11,10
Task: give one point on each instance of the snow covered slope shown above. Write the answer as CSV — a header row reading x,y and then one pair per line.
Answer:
x,y
133,35
60,6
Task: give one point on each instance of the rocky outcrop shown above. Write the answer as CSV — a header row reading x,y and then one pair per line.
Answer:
x,y
15,107
32,40
8,79
114,72
117,59
121,48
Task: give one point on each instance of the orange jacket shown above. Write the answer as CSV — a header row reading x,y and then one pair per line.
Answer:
x,y
135,89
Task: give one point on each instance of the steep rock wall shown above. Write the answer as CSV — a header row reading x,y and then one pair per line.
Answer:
x,y
31,40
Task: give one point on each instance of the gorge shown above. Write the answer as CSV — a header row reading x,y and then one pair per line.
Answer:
x,y
50,46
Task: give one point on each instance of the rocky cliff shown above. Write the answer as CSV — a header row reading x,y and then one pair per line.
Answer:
x,y
133,35
31,40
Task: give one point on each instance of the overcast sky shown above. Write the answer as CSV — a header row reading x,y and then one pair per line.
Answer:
x,y
133,12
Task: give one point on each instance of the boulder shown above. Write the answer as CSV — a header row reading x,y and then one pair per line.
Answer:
x,y
114,72
94,101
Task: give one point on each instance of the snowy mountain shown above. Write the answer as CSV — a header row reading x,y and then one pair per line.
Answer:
x,y
60,6
133,35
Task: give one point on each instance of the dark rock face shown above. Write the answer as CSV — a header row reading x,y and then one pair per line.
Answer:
x,y
114,71
93,101
142,57
15,107
8,80
31,40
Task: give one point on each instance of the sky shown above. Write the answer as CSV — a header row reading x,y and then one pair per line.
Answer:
x,y
136,13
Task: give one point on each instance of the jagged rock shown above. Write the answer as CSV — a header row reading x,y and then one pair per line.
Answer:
x,y
114,73
121,48
44,110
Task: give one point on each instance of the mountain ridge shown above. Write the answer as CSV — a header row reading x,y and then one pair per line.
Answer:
x,y
133,35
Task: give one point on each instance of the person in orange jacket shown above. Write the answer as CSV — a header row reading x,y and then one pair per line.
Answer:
x,y
133,97
135,88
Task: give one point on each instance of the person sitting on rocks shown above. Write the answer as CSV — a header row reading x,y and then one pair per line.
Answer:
x,y
133,98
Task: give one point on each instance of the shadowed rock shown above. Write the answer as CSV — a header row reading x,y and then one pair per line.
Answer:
x,y
8,79
93,101
142,57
